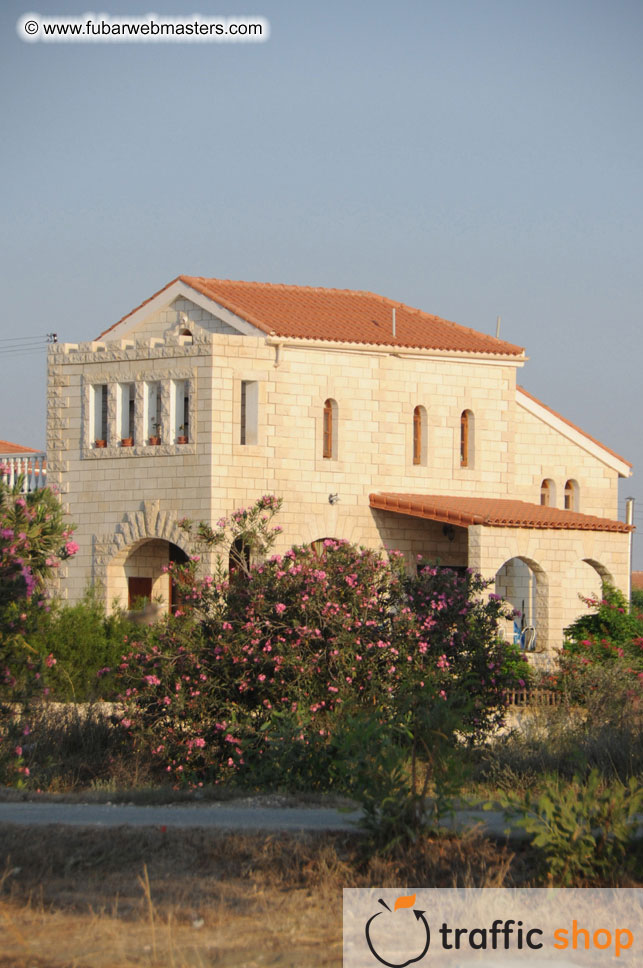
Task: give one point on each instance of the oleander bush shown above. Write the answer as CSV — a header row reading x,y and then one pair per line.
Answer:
x,y
34,539
262,675
611,635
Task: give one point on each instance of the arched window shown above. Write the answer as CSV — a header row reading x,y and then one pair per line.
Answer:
x,y
571,496
239,558
319,545
466,438
419,435
547,494
330,430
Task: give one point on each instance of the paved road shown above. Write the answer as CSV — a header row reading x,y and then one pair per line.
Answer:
x,y
226,816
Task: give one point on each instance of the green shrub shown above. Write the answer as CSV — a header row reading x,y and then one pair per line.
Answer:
x,y
583,830
78,643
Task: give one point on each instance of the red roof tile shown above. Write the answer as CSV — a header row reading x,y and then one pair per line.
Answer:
x,y
492,512
341,315
572,425
8,448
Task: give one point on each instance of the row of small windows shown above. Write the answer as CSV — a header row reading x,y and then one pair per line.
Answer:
x,y
420,434
571,495
178,429
149,428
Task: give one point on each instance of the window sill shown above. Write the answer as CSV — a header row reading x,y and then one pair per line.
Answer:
x,y
115,451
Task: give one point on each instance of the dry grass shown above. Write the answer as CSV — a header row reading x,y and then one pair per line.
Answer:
x,y
119,898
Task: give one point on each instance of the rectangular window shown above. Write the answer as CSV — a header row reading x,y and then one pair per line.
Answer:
x,y
126,410
153,417
99,414
180,411
249,416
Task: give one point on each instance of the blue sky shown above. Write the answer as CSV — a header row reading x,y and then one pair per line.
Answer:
x,y
473,159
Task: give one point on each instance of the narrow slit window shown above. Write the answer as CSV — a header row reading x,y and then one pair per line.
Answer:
x,y
329,445
466,438
249,416
419,435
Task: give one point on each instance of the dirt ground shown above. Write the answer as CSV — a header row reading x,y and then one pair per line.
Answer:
x,y
122,897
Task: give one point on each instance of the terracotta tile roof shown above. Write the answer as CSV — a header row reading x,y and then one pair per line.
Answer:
x,y
492,512
572,425
340,315
6,447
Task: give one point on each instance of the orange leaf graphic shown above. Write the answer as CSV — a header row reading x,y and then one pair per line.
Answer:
x,y
404,902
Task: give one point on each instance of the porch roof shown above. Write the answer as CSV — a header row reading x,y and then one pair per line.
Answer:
x,y
492,512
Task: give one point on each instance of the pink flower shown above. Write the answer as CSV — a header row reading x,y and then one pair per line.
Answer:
x,y
280,608
71,548
50,661
18,750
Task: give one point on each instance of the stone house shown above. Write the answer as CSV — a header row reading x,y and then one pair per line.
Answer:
x,y
375,422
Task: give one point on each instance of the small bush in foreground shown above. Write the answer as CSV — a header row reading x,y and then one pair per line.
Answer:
x,y
584,830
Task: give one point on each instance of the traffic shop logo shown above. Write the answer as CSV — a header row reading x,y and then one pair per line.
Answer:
x,y
404,928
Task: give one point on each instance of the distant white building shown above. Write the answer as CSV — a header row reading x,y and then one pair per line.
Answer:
x,y
375,422
25,463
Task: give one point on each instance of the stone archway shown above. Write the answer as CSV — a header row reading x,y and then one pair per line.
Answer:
x,y
583,579
522,582
140,546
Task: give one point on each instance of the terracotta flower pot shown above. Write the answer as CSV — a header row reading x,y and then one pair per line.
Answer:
x,y
127,442
154,441
100,443
181,440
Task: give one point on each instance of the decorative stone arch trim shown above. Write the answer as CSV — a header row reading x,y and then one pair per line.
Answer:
x,y
331,524
136,526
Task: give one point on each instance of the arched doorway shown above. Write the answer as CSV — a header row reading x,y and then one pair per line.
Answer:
x,y
522,583
139,574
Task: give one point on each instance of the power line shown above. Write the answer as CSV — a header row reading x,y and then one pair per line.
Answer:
x,y
25,339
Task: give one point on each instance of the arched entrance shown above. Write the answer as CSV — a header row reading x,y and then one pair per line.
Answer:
x,y
139,574
131,564
522,583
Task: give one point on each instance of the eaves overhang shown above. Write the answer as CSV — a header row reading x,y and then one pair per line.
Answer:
x,y
492,513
